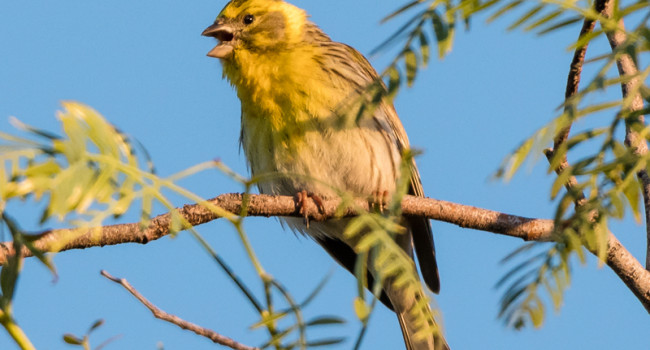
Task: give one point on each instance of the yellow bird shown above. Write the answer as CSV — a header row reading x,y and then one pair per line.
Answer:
x,y
301,98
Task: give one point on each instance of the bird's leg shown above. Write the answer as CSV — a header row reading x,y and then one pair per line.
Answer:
x,y
379,200
301,204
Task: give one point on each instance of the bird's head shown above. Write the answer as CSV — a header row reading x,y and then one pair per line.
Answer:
x,y
256,26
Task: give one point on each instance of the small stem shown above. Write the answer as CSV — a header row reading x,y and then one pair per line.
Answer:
x,y
162,315
15,332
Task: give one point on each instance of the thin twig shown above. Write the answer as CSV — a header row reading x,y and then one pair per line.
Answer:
x,y
159,314
627,68
573,79
573,82
572,85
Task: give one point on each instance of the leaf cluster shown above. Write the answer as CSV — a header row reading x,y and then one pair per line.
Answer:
x,y
606,184
92,172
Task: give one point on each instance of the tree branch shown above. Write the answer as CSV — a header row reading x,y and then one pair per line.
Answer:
x,y
627,68
162,315
264,205
619,259
625,265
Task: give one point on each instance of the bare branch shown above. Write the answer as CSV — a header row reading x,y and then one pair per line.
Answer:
x,y
619,259
627,68
264,205
162,315
629,270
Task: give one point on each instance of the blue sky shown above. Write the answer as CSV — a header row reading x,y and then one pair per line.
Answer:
x,y
143,66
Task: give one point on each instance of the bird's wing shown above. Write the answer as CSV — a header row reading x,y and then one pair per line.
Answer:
x,y
423,240
360,72
420,227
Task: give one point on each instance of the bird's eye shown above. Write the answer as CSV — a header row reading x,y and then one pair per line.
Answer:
x,y
248,19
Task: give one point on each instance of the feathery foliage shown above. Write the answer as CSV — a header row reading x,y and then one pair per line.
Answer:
x,y
92,173
607,184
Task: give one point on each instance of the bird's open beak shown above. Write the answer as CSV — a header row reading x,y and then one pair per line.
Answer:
x,y
224,34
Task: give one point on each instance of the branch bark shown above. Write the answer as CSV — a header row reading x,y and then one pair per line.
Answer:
x,y
638,144
624,264
264,205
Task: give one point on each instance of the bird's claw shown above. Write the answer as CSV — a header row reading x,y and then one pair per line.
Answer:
x,y
301,204
379,200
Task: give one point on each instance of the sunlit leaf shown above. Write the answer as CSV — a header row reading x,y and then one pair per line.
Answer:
x,y
559,25
528,15
361,309
503,10
72,339
325,320
545,19
411,62
325,342
424,48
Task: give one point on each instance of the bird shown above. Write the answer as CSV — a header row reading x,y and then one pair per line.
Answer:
x,y
303,118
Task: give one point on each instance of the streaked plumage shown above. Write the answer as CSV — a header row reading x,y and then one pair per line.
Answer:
x,y
300,94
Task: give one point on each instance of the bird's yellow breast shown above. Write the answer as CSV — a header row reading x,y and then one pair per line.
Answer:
x,y
291,122
284,96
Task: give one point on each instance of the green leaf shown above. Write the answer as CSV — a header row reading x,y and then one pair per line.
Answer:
x,y
325,320
32,130
523,248
639,5
316,290
619,208
411,62
537,313
361,309
442,33
601,232
517,158
72,339
528,15
355,226
559,25
96,325
394,80
401,10
561,180
44,259
544,20
11,269
632,193
503,10
424,49
325,342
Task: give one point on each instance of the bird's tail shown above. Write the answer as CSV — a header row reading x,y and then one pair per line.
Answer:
x,y
413,341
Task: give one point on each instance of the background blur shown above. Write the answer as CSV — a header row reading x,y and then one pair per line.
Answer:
x,y
142,64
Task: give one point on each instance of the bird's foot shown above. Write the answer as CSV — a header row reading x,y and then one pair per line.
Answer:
x,y
301,204
379,200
